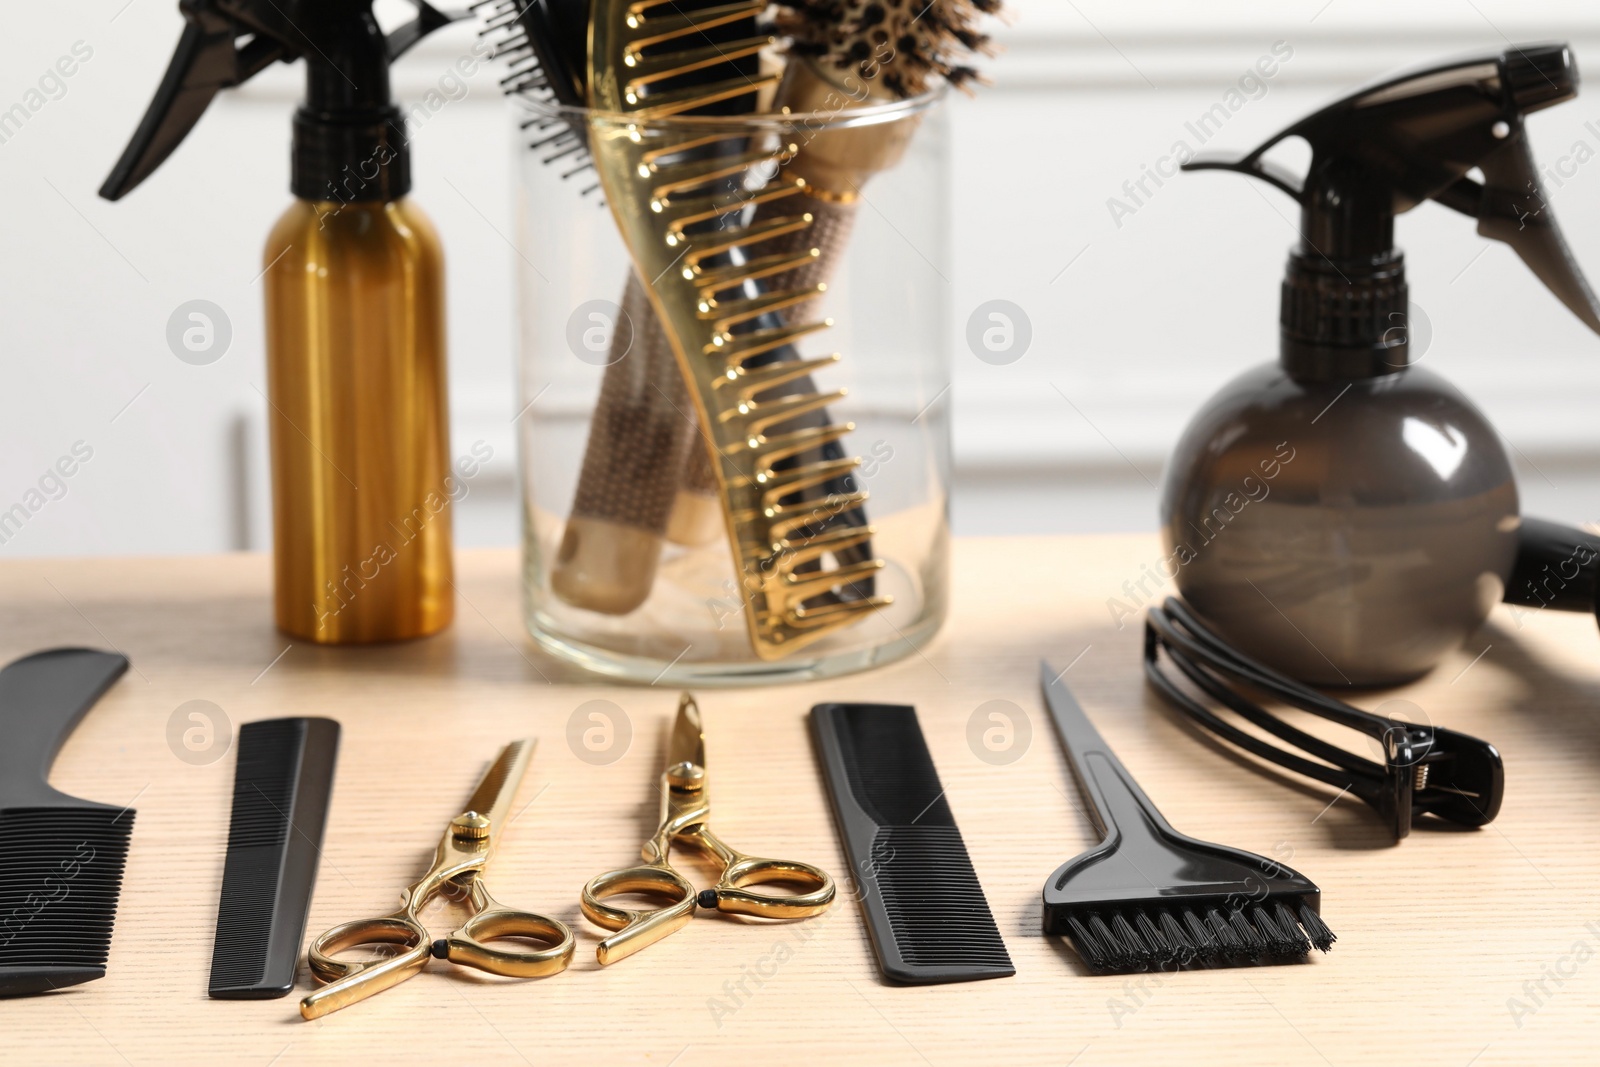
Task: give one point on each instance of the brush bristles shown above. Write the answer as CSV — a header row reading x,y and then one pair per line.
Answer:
x,y
1143,939
905,45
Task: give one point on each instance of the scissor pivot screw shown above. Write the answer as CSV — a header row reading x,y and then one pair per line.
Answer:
x,y
686,775
470,825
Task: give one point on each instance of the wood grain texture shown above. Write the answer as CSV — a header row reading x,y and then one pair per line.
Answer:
x,y
1441,938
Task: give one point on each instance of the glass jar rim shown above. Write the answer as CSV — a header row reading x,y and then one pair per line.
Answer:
x,y
845,116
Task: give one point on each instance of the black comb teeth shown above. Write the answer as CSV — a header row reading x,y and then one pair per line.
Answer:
x,y
61,858
925,909
60,876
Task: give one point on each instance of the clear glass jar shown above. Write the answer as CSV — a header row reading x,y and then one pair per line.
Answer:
x,y
627,566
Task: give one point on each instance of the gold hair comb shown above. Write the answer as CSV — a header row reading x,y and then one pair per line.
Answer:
x,y
670,191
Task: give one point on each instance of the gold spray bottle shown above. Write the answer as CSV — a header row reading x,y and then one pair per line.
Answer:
x,y
354,282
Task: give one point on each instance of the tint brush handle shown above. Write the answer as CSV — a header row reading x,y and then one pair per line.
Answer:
x,y
42,699
1116,803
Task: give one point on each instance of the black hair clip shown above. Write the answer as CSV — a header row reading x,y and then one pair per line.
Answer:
x,y
1427,770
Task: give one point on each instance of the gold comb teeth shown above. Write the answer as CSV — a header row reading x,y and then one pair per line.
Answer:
x,y
671,190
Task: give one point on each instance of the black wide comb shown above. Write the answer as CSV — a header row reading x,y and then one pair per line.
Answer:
x,y
281,790
61,858
925,910
1150,898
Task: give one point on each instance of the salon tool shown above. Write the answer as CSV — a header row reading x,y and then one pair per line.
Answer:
x,y
670,193
1425,769
1557,567
1346,517
825,74
469,842
646,476
641,433
626,500
545,44
354,286
685,811
844,58
643,430
61,858
1147,897
926,912
282,784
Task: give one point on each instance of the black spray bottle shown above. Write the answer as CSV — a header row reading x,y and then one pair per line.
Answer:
x,y
354,281
1342,515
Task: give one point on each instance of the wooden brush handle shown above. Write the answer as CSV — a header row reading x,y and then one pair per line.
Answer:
x,y
642,427
640,435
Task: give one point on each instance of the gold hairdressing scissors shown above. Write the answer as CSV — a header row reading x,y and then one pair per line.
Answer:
x,y
685,807
468,843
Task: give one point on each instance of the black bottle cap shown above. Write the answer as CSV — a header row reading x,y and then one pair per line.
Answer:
x,y
1344,320
349,160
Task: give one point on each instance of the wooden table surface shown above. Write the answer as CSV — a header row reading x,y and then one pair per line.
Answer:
x,y
1455,948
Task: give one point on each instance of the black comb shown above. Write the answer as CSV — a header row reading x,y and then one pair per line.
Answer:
x,y
61,858
1150,898
925,910
280,803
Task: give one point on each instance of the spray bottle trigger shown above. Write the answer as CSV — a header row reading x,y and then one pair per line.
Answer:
x,y
1512,208
1251,164
429,18
206,61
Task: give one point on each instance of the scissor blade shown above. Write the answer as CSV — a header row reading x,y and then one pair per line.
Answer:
x,y
499,784
688,743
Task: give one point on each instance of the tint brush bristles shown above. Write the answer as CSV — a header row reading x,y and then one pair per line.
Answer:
x,y
1219,907
1145,939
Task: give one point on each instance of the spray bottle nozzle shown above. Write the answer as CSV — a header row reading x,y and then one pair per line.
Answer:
x,y
1539,75
228,42
1383,150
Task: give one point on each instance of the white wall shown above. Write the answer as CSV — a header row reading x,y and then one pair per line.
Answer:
x,y
1150,316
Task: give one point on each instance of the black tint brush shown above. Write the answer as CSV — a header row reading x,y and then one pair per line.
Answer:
x,y
61,858
1148,897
